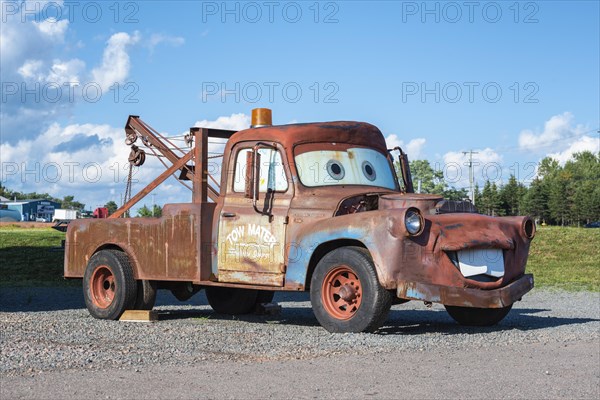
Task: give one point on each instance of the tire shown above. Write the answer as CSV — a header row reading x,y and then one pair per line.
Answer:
x,y
108,284
184,291
231,301
470,316
146,295
345,292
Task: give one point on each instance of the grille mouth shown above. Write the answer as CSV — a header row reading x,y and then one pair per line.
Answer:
x,y
481,265
484,278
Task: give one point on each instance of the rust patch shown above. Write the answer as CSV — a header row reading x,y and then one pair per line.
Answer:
x,y
465,297
165,248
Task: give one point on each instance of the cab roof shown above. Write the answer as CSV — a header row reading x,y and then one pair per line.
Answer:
x,y
359,133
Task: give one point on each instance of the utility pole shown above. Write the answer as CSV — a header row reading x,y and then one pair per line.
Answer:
x,y
471,176
153,203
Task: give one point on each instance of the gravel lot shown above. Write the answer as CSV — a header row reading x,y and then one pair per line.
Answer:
x,y
548,346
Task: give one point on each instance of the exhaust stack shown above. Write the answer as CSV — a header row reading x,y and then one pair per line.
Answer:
x,y
261,117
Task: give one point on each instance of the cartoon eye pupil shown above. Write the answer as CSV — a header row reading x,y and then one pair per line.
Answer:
x,y
335,170
369,171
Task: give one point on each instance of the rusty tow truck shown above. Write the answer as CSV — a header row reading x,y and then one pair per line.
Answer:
x,y
303,207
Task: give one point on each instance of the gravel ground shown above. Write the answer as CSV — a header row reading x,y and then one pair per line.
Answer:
x,y
46,333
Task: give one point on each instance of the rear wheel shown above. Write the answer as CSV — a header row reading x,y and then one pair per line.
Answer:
x,y
470,316
183,291
345,292
232,301
146,295
108,284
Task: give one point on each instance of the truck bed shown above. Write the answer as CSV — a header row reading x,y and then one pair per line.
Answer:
x,y
165,248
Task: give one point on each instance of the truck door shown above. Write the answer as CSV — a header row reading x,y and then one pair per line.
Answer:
x,y
251,241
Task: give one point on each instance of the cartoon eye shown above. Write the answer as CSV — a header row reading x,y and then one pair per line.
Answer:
x,y
369,170
335,170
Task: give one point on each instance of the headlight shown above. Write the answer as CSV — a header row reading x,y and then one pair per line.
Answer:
x,y
529,228
413,221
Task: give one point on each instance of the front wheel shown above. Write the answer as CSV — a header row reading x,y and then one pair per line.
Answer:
x,y
109,287
470,316
345,292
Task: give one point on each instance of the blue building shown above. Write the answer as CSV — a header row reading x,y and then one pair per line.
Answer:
x,y
31,210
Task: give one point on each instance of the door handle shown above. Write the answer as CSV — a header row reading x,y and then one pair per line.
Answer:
x,y
228,214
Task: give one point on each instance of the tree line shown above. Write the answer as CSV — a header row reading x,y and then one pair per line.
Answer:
x,y
558,195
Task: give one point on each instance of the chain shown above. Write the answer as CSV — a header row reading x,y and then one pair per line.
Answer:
x,y
128,186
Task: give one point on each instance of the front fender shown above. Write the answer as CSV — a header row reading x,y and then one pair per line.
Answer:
x,y
368,228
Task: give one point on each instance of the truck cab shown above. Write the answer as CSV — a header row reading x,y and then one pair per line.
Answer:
x,y
305,207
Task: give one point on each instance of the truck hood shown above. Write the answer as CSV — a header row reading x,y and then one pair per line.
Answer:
x,y
428,204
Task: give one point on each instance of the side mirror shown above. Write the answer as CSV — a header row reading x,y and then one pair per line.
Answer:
x,y
249,185
404,169
252,175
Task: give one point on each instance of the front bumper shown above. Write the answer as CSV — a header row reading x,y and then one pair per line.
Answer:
x,y
465,297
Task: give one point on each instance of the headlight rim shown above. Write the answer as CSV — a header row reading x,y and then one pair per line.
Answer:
x,y
417,212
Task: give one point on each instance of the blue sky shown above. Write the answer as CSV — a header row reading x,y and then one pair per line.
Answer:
x,y
514,81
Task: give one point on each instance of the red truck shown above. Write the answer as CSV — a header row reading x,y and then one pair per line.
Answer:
x,y
303,207
101,212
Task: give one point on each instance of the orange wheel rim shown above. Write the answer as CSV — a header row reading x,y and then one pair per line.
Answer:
x,y
341,292
102,287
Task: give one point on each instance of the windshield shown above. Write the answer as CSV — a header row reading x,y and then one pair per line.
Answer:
x,y
339,166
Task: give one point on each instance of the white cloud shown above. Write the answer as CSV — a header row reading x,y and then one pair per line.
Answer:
x,y
158,38
115,65
59,73
413,148
560,138
557,129
487,165
20,39
31,70
234,122
54,30
67,71
586,143
115,60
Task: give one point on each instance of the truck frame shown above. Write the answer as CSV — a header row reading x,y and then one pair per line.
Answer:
x,y
303,207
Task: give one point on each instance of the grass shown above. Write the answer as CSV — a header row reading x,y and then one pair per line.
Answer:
x,y
560,258
566,258
28,257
